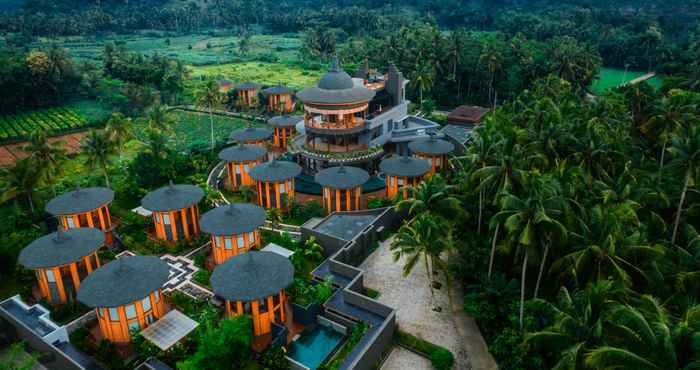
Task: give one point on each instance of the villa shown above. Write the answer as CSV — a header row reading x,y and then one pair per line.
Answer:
x,y
87,207
175,211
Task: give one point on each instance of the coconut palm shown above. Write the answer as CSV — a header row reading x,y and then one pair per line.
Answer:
x,y
119,129
211,98
421,239
21,181
156,143
160,118
686,160
48,154
423,78
98,148
432,195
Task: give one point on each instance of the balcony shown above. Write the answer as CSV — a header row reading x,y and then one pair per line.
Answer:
x,y
336,128
357,154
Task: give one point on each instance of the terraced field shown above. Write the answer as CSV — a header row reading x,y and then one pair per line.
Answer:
x,y
54,120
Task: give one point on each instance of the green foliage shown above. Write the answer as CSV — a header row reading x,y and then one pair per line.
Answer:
x,y
274,359
106,352
305,293
203,277
17,359
225,345
441,358
358,331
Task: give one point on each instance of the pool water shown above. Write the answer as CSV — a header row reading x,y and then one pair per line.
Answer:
x,y
314,347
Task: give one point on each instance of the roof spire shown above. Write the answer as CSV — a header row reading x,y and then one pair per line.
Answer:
x,y
342,168
335,65
77,190
171,187
60,234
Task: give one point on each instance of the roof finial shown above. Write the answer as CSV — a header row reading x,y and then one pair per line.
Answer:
x,y
230,210
77,190
342,168
60,235
171,186
335,65
405,158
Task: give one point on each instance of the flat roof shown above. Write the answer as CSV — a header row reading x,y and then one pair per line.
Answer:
x,y
467,114
345,226
274,248
169,329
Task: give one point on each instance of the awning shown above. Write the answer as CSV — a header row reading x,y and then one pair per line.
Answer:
x,y
169,330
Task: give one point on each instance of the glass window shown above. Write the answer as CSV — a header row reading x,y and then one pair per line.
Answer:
x,y
240,242
50,276
157,295
227,243
166,219
134,325
101,312
246,168
70,222
237,168
282,189
246,307
157,217
130,311
113,314
251,238
262,305
146,304
217,241
149,319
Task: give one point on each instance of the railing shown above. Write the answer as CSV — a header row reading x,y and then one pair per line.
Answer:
x,y
324,125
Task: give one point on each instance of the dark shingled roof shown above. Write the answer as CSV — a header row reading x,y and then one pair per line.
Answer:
x,y
252,275
275,171
341,177
172,197
242,153
467,114
335,87
431,146
233,219
123,281
251,134
405,166
61,247
278,90
284,121
247,86
79,201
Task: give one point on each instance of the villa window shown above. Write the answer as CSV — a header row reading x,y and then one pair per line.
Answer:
x,y
251,238
100,312
50,276
246,168
156,294
83,219
130,311
149,319
70,222
241,242
134,325
113,314
146,304
237,169
217,241
166,219
246,308
282,190
262,305
228,243
157,217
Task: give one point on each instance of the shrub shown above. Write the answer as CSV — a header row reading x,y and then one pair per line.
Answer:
x,y
273,359
304,293
202,277
225,346
442,359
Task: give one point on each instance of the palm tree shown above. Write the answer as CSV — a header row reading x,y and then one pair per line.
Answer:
x,y
686,151
156,143
247,192
420,239
210,97
159,118
98,148
577,324
531,222
47,154
275,216
423,77
432,195
119,129
493,59
21,180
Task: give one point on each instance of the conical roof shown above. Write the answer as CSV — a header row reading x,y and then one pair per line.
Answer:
x,y
336,87
251,276
61,247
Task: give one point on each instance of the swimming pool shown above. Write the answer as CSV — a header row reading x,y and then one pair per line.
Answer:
x,y
314,347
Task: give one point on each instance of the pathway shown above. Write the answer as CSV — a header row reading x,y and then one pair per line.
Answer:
x,y
410,295
639,79
402,359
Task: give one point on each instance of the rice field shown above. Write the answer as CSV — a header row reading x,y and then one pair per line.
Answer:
x,y
260,72
609,78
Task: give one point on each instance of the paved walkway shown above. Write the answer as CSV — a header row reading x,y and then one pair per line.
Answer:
x,y
403,359
410,296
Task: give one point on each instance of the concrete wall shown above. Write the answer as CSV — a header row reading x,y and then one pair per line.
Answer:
x,y
395,114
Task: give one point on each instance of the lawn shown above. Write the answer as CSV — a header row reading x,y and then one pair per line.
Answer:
x,y
212,47
261,72
610,78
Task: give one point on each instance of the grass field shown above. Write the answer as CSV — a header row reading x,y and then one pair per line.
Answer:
x,y
261,72
610,78
194,49
54,120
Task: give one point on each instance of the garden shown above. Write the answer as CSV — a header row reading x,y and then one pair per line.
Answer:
x,y
57,120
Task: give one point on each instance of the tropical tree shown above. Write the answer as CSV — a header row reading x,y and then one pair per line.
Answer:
x,y
21,180
160,118
46,154
686,160
423,78
275,216
211,98
432,195
119,130
422,239
98,149
157,144
492,58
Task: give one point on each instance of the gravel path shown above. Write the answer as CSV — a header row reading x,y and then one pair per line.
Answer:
x,y
410,296
403,359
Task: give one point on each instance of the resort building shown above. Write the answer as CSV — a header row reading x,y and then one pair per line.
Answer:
x,y
253,283
284,129
251,135
234,229
434,150
467,115
356,120
239,160
126,295
279,99
274,182
403,172
62,260
342,188
247,94
88,207
175,211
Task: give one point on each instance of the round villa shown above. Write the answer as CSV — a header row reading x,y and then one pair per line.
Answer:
x,y
342,188
279,99
253,283
402,172
234,229
275,182
126,295
84,208
247,94
251,135
284,128
175,211
434,150
240,159
62,260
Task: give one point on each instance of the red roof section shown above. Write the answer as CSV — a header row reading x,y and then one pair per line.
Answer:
x,y
467,114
